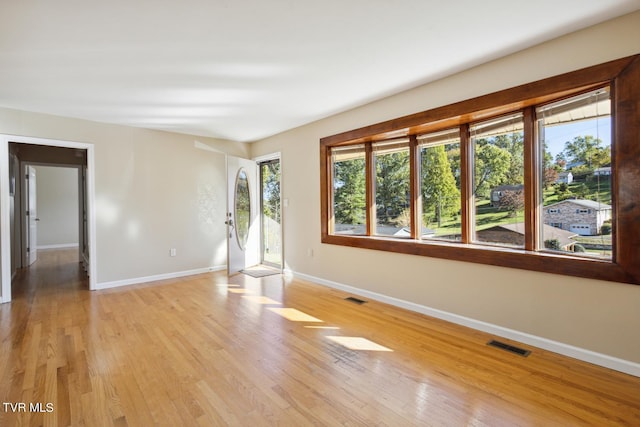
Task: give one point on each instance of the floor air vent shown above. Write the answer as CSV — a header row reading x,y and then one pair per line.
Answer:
x,y
355,300
516,350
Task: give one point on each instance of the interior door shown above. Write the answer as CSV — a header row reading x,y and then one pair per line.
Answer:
x,y
242,220
32,216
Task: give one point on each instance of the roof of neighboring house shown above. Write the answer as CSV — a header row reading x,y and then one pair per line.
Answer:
x,y
508,187
406,232
603,169
590,204
565,173
384,230
550,233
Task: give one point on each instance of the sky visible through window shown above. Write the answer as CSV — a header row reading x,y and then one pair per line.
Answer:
x,y
557,136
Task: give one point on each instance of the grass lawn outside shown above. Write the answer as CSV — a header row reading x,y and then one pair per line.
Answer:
x,y
487,216
594,240
598,189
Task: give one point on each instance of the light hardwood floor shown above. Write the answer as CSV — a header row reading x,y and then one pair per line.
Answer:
x,y
211,350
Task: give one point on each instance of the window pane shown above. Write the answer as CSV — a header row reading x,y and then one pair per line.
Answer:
x,y
575,139
498,183
440,185
349,190
242,208
393,215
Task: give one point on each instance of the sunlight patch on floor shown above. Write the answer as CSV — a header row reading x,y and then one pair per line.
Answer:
x,y
294,315
260,299
358,343
322,327
240,291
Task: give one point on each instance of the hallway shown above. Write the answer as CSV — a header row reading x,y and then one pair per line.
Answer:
x,y
56,271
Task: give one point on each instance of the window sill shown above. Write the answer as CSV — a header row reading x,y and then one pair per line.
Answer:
x,y
546,262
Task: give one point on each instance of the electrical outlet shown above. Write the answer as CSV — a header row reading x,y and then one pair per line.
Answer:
x,y
172,252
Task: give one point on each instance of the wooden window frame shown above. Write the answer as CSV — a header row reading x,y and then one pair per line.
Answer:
x,y
622,76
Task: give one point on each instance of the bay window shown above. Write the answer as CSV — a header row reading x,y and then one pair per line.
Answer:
x,y
544,176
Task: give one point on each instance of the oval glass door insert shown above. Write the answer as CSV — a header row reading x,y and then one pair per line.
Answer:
x,y
242,208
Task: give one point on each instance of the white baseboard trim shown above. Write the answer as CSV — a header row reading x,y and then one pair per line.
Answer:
x,y
146,279
585,355
58,246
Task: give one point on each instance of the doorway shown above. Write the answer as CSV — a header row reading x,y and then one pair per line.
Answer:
x,y
54,210
270,213
15,154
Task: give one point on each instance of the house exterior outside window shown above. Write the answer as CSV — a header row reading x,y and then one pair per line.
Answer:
x,y
584,217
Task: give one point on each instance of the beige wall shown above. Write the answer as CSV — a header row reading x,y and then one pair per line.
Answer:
x,y
153,191
599,316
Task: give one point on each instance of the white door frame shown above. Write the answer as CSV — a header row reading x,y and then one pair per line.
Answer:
x,y
5,211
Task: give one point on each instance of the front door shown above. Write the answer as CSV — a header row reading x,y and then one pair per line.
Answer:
x,y
243,225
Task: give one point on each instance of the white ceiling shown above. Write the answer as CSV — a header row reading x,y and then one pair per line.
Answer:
x,y
246,69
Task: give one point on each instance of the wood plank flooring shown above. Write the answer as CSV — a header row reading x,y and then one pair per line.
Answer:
x,y
210,350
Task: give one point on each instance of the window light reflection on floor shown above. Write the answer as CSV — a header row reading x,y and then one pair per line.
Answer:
x,y
240,291
294,315
223,288
322,327
358,343
260,299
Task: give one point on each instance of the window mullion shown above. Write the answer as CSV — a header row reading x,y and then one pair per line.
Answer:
x,y
370,182
414,188
532,181
466,185
327,187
